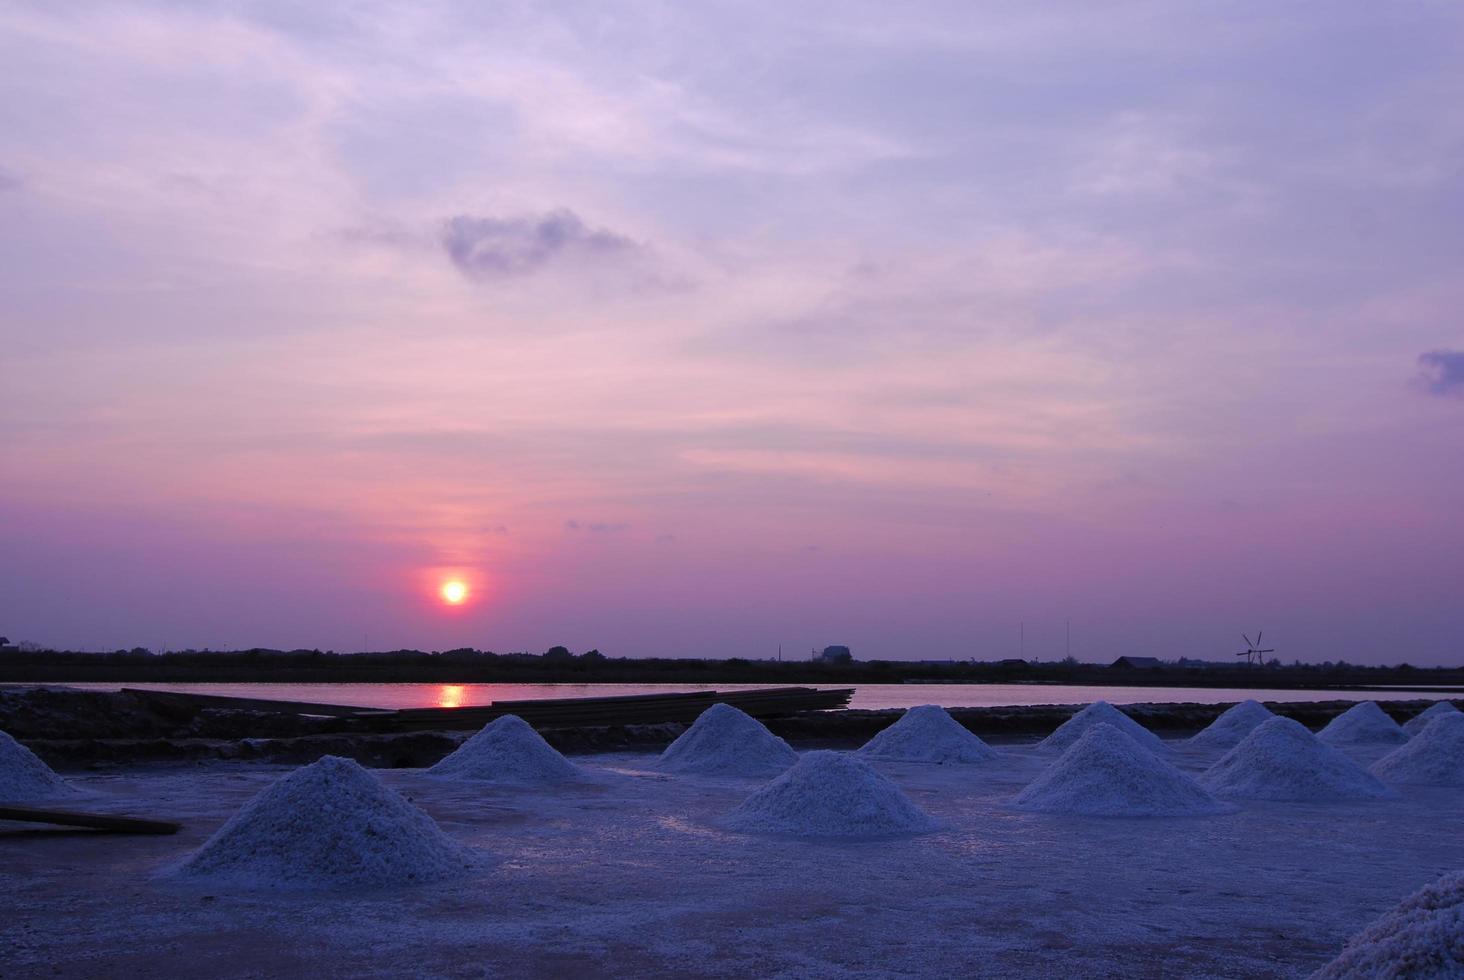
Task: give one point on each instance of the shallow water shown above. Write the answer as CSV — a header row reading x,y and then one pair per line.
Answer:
x,y
872,696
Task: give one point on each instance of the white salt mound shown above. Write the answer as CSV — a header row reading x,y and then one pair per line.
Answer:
x,y
1433,757
830,794
1361,724
507,750
329,824
1105,773
724,741
1100,712
1235,724
1281,760
1420,721
1421,939
23,776
928,734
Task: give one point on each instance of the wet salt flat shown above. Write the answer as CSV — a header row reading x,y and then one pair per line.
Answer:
x,y
630,873
867,696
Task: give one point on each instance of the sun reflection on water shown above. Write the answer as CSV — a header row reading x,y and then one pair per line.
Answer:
x,y
450,696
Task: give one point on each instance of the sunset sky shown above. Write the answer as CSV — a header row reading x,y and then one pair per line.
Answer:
x,y
696,328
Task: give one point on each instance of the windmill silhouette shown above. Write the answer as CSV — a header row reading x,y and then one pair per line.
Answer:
x,y
1253,654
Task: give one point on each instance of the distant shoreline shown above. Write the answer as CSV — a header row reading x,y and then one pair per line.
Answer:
x,y
481,667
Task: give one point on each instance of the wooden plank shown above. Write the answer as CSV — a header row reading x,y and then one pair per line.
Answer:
x,y
96,821
620,709
245,704
613,711
617,698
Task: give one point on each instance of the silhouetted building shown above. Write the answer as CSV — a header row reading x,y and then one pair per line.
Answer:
x,y
1138,663
835,655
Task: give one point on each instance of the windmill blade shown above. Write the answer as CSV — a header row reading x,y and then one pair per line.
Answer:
x,y
1248,643
1270,650
1258,637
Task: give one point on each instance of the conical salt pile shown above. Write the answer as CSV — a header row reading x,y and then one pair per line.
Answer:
x,y
1100,712
927,734
329,824
23,776
507,750
726,742
1107,774
1421,939
1433,757
830,794
1361,724
1281,760
1420,721
1235,724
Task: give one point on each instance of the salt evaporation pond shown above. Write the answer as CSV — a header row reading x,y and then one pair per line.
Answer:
x,y
866,696
635,876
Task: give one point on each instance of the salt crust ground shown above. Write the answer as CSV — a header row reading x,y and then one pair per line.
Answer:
x,y
507,750
1233,725
724,741
830,794
1108,774
1421,939
1420,721
927,734
328,824
1363,724
1100,712
1282,760
1433,757
24,777
630,876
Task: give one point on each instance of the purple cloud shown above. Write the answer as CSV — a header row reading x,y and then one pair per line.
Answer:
x,y
491,248
1443,372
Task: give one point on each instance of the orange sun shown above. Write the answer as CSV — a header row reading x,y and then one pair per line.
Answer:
x,y
454,592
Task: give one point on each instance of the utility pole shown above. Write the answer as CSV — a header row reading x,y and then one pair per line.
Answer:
x,y
1067,643
1022,639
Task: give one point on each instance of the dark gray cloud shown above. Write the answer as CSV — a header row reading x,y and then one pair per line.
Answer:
x,y
491,248
1443,372
596,527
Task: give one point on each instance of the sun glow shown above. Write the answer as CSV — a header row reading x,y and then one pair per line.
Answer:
x,y
454,592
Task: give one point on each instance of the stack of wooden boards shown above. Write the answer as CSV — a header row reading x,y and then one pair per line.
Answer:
x,y
631,709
